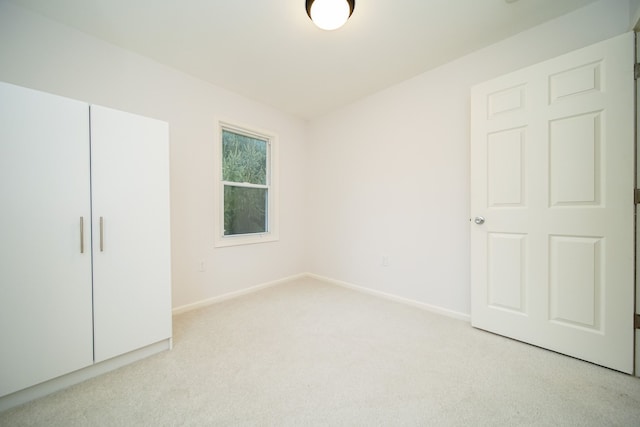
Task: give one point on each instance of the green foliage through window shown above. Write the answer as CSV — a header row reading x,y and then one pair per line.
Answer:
x,y
245,177
244,210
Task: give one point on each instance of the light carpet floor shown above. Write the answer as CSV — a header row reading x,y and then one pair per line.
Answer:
x,y
308,353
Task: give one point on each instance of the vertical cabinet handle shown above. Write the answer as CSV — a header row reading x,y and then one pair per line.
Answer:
x,y
101,234
81,234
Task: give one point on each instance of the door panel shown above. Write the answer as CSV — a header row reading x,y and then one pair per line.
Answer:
x,y
507,278
575,159
575,282
45,279
552,172
132,260
505,168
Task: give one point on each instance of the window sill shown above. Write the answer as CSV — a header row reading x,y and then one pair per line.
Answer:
x,y
245,239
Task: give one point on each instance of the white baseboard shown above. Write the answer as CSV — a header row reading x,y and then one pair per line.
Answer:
x,y
214,300
220,298
407,301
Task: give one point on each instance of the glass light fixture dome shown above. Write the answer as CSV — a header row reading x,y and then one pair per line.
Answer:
x,y
330,14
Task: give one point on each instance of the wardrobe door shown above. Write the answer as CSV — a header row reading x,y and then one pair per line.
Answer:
x,y
132,264
45,235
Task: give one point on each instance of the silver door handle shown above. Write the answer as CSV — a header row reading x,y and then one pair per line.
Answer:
x,y
479,220
101,234
81,234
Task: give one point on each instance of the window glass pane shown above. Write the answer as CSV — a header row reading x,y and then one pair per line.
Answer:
x,y
244,159
245,210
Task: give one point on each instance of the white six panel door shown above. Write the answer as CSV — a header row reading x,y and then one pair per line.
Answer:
x,y
552,174
131,242
45,265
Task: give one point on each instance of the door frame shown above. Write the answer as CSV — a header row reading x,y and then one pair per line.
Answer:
x,y
637,185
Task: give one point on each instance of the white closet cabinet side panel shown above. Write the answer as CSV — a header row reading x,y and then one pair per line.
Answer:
x,y
131,233
45,278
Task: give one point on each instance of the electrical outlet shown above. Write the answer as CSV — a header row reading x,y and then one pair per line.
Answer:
x,y
385,261
201,266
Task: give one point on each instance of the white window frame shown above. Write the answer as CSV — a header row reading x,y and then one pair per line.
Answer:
x,y
271,234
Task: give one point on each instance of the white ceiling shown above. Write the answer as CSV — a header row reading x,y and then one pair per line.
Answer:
x,y
270,51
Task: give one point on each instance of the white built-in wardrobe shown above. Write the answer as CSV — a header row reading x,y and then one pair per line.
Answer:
x,y
85,275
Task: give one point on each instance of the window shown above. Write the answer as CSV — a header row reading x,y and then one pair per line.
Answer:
x,y
246,190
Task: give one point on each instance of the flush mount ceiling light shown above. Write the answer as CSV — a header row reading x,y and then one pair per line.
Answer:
x,y
330,14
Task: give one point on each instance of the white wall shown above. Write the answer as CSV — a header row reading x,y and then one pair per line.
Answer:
x,y
386,176
390,173
38,53
634,13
